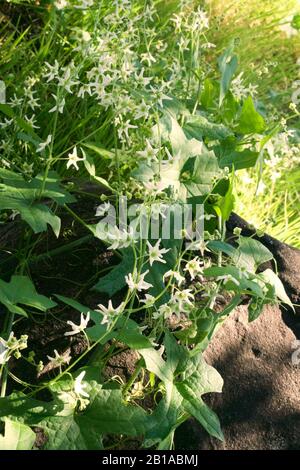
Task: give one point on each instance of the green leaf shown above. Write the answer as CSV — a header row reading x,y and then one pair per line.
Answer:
x,y
199,127
101,151
199,173
67,428
208,94
164,419
106,413
246,280
26,198
17,436
230,108
269,276
251,254
133,338
217,245
296,22
155,363
239,160
255,308
228,63
170,172
201,378
20,290
91,169
250,121
206,417
174,351
115,279
226,203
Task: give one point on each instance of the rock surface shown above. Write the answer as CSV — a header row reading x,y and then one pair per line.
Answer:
x,y
260,404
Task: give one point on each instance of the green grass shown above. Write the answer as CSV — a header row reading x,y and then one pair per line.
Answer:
x,y
268,59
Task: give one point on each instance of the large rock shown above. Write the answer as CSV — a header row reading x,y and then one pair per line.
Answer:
x,y
260,404
287,258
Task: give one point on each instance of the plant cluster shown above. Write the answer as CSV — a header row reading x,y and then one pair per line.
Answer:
x,y
118,96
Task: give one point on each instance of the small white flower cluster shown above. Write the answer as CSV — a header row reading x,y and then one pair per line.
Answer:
x,y
181,302
59,359
110,313
115,237
192,21
12,347
240,90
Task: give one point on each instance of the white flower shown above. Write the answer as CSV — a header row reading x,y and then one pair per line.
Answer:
x,y
15,101
164,311
148,300
110,312
86,88
6,123
193,267
177,20
33,102
53,71
4,353
149,153
228,277
148,57
183,43
141,80
43,145
177,276
102,209
136,281
60,359
73,159
155,186
66,81
78,328
208,45
12,346
252,89
84,4
183,298
86,37
79,386
142,110
275,175
123,129
116,237
31,121
155,253
159,209
201,20
238,88
60,4
260,188
59,106
200,245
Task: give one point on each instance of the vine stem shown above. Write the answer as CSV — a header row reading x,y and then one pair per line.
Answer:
x,y
135,374
4,371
